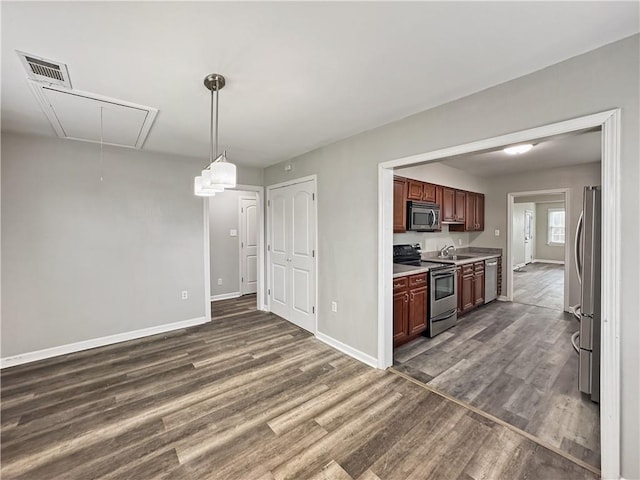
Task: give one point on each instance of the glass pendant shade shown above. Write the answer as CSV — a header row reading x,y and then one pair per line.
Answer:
x,y
200,190
223,174
206,182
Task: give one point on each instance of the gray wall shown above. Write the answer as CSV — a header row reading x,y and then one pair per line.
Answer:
x,y
573,178
225,249
543,250
348,192
83,259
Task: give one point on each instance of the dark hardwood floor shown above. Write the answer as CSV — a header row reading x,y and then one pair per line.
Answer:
x,y
246,397
233,306
515,362
539,284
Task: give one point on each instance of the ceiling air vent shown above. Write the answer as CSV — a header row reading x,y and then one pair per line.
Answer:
x,y
45,70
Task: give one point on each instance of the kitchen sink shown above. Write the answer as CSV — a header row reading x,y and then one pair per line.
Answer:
x,y
453,258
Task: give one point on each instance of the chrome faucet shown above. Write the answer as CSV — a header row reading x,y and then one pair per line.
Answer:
x,y
444,252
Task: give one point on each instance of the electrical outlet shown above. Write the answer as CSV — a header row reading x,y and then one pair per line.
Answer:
x,y
334,306
233,232
496,232
459,241
184,295
219,281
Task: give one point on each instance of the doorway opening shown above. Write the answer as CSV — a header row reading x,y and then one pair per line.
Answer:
x,y
540,248
607,125
234,246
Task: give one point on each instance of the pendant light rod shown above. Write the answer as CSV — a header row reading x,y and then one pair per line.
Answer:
x,y
214,82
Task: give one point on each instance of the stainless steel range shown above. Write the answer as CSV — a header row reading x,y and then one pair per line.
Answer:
x,y
443,298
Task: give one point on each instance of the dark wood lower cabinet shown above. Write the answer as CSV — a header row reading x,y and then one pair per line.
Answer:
x,y
410,300
468,300
470,286
417,311
478,284
400,318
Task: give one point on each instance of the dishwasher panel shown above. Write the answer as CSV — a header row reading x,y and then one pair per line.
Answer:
x,y
490,280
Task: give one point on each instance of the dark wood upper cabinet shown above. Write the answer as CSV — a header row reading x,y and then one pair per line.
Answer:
x,y
414,191
480,212
429,192
448,207
463,211
474,214
461,199
399,205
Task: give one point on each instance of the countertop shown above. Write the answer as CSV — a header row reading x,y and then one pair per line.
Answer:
x,y
478,256
406,270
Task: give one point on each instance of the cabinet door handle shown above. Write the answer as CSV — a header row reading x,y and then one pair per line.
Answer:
x,y
412,296
397,285
406,298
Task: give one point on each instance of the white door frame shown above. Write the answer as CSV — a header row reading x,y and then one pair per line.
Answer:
x,y
567,244
241,284
315,240
260,304
609,121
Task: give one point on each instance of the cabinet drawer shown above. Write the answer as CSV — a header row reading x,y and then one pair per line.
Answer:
x,y
400,284
467,269
418,280
478,266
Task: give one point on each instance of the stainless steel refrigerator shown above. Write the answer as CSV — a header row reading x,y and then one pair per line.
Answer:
x,y
587,257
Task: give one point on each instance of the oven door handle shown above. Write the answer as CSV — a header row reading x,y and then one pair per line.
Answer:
x,y
444,273
444,316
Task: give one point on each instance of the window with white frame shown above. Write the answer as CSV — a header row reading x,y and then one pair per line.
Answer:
x,y
555,226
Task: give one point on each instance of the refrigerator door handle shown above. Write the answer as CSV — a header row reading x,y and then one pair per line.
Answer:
x,y
576,250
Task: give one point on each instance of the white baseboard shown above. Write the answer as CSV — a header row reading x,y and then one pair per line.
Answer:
x,y
225,296
520,265
352,352
540,260
96,342
502,298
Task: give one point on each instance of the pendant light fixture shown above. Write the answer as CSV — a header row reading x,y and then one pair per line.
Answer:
x,y
219,174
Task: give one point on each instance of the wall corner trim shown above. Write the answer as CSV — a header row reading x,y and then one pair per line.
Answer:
x,y
344,348
97,342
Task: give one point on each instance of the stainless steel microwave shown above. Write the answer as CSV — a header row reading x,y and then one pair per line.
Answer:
x,y
423,217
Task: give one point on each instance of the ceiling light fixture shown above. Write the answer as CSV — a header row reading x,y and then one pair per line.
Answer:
x,y
518,149
219,174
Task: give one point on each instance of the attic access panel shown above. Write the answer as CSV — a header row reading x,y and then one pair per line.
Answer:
x,y
75,115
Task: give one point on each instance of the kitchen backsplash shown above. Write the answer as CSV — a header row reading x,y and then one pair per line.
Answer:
x,y
432,241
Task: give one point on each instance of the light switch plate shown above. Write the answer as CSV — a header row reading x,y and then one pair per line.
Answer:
x,y
496,232
233,232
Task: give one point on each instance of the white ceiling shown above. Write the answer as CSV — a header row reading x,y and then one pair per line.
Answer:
x,y
299,75
553,152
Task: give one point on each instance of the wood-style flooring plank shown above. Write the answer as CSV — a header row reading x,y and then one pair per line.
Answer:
x,y
515,362
248,396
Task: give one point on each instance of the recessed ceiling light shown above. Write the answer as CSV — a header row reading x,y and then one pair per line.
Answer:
x,y
518,149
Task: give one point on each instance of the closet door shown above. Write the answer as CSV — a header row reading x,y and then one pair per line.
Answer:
x,y
293,260
279,211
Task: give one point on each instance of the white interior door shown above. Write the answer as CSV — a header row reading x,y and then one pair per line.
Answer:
x,y
248,245
279,211
528,236
292,227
